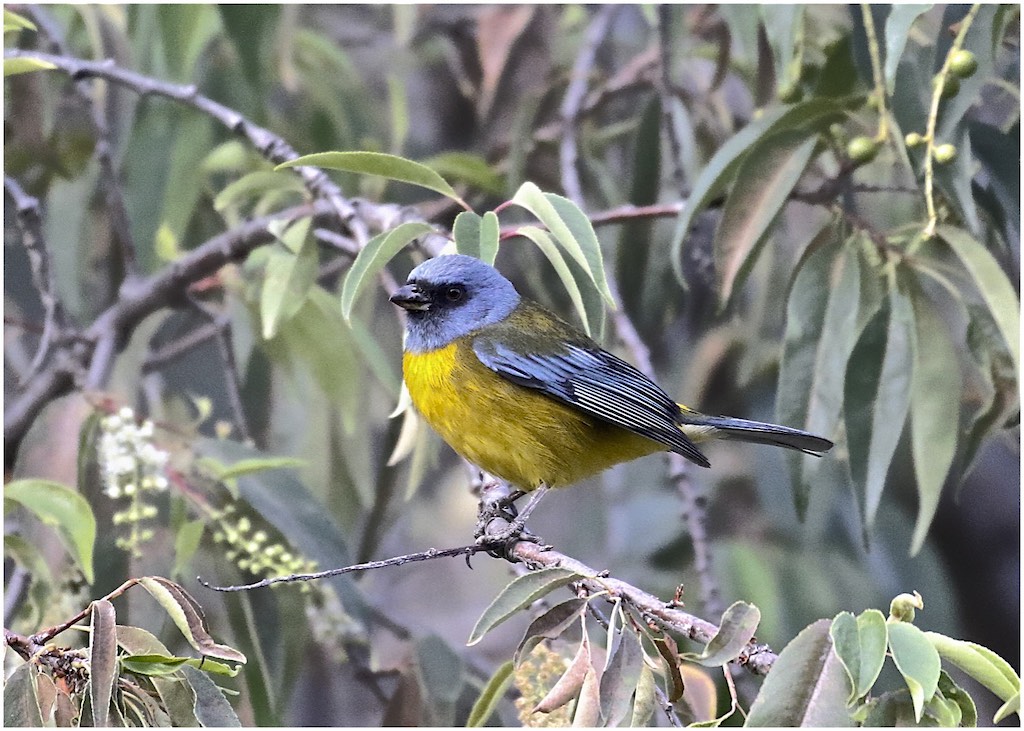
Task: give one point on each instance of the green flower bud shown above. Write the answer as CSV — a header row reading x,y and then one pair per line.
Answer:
x,y
950,88
901,609
913,139
862,149
963,63
944,153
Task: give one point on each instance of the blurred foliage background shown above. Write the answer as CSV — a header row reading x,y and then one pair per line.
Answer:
x,y
478,93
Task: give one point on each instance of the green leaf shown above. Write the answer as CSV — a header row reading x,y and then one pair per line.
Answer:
x,y
24,65
584,307
466,232
821,329
378,251
490,237
102,660
1011,706
570,228
522,592
766,176
29,557
441,678
21,704
257,464
894,708
979,662
181,608
256,184
860,644
993,284
64,509
934,407
13,21
178,699
736,629
471,169
157,664
876,396
491,695
645,700
952,691
917,660
621,678
807,685
897,29
549,625
783,25
387,166
212,708
290,272
722,167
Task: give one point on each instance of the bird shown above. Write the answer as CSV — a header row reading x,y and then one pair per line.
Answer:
x,y
529,398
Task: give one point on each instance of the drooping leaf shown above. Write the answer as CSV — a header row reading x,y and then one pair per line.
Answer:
x,y
21,705
571,681
257,464
585,307
254,185
522,592
211,708
588,706
783,25
374,257
992,283
876,396
979,662
621,678
13,21
469,168
765,178
952,691
736,629
24,65
491,695
645,700
934,407
387,166
168,664
102,660
721,169
807,685
290,272
64,509
917,660
549,625
181,608
897,30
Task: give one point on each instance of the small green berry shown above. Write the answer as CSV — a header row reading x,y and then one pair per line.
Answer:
x,y
913,139
862,149
950,89
963,63
791,93
944,153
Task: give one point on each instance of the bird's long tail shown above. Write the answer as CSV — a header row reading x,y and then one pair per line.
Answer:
x,y
700,427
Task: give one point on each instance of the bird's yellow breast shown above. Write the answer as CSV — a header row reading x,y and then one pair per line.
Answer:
x,y
509,430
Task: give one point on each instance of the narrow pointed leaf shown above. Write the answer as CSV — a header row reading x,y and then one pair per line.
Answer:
x,y
543,241
549,625
993,284
21,704
522,592
178,699
588,706
620,678
211,708
13,21
721,168
24,65
64,509
952,691
158,664
491,695
387,166
102,660
253,185
934,408
917,661
897,29
766,177
645,700
807,685
181,608
979,662
374,257
566,687
876,396
290,272
1011,706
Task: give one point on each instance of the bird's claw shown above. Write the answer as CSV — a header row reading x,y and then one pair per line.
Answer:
x,y
500,536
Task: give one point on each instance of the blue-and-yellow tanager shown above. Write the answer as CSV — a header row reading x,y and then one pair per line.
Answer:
x,y
527,397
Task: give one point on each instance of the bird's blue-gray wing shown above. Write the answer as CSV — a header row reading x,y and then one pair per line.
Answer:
x,y
597,383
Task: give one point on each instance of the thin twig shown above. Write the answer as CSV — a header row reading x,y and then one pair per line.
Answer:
x,y
227,355
173,350
29,224
694,506
573,100
875,52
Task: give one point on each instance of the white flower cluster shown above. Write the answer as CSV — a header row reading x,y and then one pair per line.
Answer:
x,y
129,460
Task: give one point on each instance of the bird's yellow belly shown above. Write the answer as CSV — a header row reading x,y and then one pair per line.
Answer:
x,y
509,430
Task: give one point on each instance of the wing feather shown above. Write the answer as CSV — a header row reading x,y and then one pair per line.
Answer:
x,y
593,380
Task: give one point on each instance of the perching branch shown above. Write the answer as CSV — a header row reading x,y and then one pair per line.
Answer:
x,y
757,658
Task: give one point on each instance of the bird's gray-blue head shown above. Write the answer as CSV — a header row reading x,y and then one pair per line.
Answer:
x,y
450,296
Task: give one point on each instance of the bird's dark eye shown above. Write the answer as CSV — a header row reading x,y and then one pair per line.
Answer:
x,y
454,294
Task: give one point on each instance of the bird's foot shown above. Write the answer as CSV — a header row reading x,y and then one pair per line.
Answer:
x,y
501,526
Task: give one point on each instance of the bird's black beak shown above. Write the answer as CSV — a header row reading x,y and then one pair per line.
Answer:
x,y
411,298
